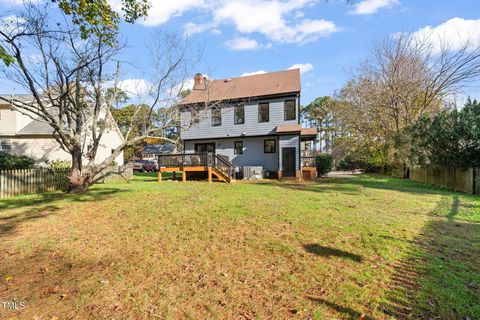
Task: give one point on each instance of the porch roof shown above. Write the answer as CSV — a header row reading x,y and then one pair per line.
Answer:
x,y
305,133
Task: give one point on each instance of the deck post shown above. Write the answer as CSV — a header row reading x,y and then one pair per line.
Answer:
x,y
184,176
174,175
209,174
159,176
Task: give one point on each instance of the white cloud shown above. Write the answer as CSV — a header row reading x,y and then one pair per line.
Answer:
x,y
452,34
162,11
242,44
11,23
253,73
185,85
273,19
281,21
304,67
372,6
135,87
17,2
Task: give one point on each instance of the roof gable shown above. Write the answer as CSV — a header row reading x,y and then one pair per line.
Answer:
x,y
266,84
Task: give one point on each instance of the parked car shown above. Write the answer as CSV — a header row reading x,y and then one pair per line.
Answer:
x,y
145,165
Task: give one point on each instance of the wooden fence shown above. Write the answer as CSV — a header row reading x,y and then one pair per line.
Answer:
x,y
25,181
465,180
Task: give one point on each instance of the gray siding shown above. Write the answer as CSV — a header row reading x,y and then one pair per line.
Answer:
x,y
251,127
253,154
292,141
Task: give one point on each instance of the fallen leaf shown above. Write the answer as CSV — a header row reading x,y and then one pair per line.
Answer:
x,y
54,290
8,278
104,281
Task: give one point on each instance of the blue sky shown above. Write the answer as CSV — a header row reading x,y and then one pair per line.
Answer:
x,y
326,39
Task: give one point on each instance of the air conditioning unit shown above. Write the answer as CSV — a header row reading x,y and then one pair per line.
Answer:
x,y
252,173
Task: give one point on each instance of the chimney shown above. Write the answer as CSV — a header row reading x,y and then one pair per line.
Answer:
x,y
199,82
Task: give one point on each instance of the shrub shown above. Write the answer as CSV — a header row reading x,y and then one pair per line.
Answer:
x,y
324,164
59,164
10,161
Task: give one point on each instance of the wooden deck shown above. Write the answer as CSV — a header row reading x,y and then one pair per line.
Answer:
x,y
215,165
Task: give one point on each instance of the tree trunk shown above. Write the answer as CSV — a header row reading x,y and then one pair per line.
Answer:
x,y
79,182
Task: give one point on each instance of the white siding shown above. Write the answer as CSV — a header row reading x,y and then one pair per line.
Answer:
x,y
46,148
8,120
110,140
39,148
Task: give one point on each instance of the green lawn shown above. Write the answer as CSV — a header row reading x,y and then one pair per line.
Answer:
x,y
371,247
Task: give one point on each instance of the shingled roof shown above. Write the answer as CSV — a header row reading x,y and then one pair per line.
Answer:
x,y
266,84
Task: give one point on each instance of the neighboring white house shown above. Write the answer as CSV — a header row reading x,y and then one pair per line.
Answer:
x,y
22,135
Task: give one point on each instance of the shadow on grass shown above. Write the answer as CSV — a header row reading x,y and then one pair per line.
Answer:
x,y
351,186
323,186
327,252
440,276
340,309
41,205
153,176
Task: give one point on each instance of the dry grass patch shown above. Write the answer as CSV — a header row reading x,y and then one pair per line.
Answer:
x,y
334,249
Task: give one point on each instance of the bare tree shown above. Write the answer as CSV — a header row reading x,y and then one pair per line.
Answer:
x,y
406,78
68,77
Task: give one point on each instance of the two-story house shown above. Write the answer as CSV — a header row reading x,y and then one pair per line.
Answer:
x,y
251,121
23,135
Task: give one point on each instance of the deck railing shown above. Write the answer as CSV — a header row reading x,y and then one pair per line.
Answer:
x,y
218,161
186,160
308,162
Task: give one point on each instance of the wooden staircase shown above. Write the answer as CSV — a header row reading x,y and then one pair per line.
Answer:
x,y
216,165
221,175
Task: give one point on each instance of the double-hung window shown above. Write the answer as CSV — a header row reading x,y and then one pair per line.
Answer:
x,y
239,114
289,110
238,147
269,146
5,145
216,117
263,112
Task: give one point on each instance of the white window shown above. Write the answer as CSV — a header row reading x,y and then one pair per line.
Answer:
x,y
5,145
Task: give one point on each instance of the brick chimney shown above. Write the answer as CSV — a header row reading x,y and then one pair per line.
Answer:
x,y
199,82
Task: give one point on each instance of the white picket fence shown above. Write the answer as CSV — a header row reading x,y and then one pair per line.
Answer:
x,y
26,181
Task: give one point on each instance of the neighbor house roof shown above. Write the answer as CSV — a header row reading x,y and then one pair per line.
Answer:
x,y
159,148
20,97
266,84
36,127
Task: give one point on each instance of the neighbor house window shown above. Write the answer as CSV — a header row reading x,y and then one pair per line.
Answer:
x,y
216,117
239,117
289,110
238,147
263,112
269,146
5,145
